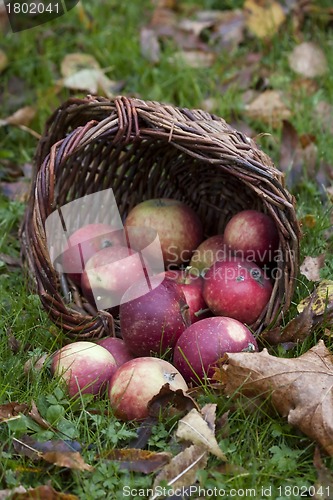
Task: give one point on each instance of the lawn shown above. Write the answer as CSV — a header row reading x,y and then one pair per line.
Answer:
x,y
233,65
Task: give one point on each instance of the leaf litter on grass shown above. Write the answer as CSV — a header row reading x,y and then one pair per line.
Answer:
x,y
300,389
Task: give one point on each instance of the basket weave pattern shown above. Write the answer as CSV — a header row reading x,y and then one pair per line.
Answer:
x,y
147,150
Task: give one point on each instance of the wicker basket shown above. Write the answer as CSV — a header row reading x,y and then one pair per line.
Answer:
x,y
146,150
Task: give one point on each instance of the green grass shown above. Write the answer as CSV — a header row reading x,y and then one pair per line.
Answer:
x,y
262,449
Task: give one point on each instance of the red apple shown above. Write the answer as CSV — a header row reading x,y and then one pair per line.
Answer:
x,y
238,289
85,367
84,243
117,348
152,319
136,382
203,344
192,286
253,236
208,252
178,227
109,273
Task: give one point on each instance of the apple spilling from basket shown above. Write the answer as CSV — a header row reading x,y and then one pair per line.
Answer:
x,y
202,307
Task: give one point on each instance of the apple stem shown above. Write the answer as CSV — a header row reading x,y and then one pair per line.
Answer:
x,y
201,311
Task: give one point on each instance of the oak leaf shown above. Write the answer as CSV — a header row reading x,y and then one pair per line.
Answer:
x,y
197,429
181,472
301,389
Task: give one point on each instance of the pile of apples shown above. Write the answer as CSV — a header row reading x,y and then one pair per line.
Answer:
x,y
211,291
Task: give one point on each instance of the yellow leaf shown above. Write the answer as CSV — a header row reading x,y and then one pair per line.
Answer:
x,y
263,17
323,296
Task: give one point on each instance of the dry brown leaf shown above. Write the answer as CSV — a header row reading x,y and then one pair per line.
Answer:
x,y
21,117
44,492
178,399
150,46
34,364
301,389
310,267
12,411
3,60
72,460
133,459
195,429
264,17
182,470
324,483
36,416
308,59
269,107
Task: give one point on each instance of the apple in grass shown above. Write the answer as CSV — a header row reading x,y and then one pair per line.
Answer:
x,y
252,235
208,252
238,289
85,242
192,286
178,226
202,345
118,348
136,382
84,367
109,273
153,315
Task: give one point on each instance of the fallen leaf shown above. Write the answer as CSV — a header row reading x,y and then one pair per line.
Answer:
x,y
35,364
269,107
150,46
44,492
133,459
21,117
308,59
16,191
193,58
324,115
8,494
195,429
75,62
3,60
228,32
166,397
13,343
12,411
299,388
195,26
83,72
144,431
264,17
10,261
71,460
297,330
324,483
36,416
182,470
321,299
310,267
309,220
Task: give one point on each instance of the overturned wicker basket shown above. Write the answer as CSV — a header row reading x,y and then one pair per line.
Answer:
x,y
146,150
